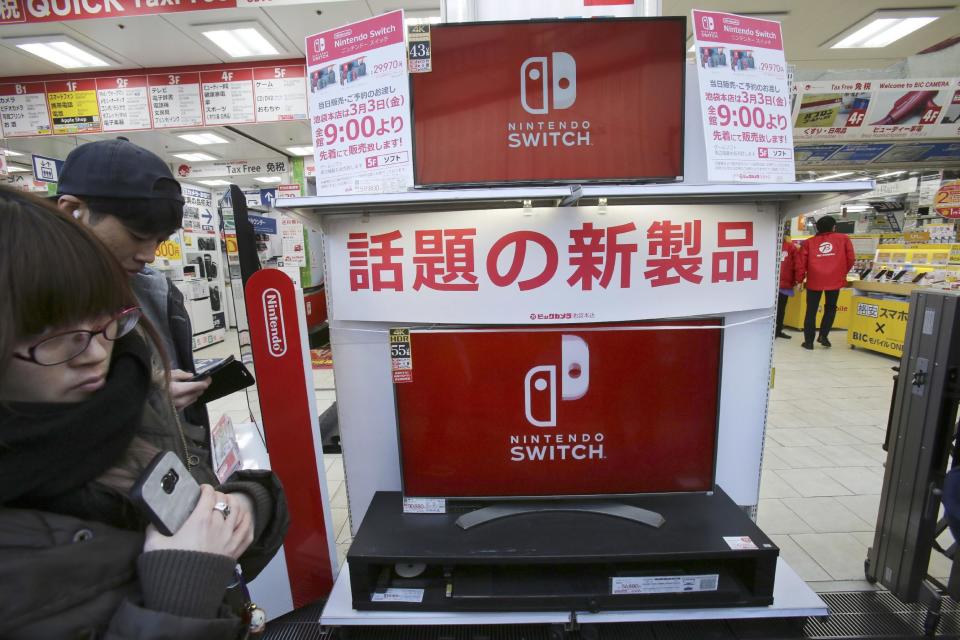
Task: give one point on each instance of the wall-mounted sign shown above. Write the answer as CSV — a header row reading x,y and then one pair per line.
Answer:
x,y
73,106
280,93
196,170
227,97
23,110
47,169
124,103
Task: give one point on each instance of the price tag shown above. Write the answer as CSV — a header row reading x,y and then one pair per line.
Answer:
x,y
398,595
401,355
663,584
739,543
424,505
418,48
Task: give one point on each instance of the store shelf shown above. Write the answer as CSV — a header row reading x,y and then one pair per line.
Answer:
x,y
889,288
513,197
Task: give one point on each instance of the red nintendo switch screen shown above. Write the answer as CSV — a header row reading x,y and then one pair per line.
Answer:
x,y
551,101
571,410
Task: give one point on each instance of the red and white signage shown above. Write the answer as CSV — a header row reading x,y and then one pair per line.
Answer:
x,y
124,103
23,110
564,100
175,100
280,93
360,107
560,265
34,11
744,98
947,199
596,410
227,97
878,109
73,106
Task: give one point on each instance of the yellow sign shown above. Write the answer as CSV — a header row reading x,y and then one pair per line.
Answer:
x,y
232,248
169,250
797,309
916,237
878,325
74,111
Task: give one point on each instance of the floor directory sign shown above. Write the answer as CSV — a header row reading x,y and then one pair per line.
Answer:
x,y
23,110
744,98
359,106
124,103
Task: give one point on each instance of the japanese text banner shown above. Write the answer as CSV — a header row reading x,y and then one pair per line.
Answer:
x,y
558,265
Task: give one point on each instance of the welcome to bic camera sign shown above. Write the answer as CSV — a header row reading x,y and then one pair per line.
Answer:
x,y
559,265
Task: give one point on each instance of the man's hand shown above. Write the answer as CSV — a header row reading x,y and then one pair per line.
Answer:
x,y
185,393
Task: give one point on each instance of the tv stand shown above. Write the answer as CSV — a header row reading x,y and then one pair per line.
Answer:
x,y
606,508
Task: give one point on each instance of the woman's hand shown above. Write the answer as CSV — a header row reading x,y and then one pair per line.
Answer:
x,y
184,393
241,504
206,530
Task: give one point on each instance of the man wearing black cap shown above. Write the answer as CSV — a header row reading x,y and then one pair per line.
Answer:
x,y
129,198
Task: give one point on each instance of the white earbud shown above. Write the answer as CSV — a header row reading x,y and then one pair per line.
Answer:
x,y
76,214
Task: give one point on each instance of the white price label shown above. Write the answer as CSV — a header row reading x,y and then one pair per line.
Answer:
x,y
739,543
424,505
663,584
398,595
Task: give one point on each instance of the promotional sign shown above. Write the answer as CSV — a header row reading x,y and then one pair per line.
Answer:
x,y
360,107
47,169
562,100
73,106
561,265
947,200
23,110
124,103
879,324
281,93
291,234
878,109
263,224
744,98
175,100
929,185
195,170
278,339
36,11
564,422
288,190
227,97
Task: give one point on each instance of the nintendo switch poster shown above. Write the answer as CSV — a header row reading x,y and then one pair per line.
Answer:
x,y
744,98
615,409
565,100
878,109
359,103
563,265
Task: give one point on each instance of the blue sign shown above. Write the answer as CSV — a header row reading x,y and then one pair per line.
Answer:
x,y
262,224
943,152
815,153
47,169
268,197
859,152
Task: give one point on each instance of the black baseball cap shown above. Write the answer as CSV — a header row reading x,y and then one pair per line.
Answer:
x,y
117,169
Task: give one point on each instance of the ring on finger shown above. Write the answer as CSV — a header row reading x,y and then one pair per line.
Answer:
x,y
223,508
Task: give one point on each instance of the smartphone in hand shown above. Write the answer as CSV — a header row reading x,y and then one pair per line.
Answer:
x,y
166,493
208,367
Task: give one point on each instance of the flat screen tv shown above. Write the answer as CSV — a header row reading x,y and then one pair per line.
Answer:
x,y
561,411
551,101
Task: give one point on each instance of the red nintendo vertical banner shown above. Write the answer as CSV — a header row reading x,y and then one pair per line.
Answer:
x,y
290,428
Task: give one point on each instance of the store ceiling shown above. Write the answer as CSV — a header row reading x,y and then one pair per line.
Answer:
x,y
169,40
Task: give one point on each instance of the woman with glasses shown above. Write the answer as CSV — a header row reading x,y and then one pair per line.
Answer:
x,y
83,411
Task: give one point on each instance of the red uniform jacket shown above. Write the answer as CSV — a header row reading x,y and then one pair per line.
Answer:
x,y
788,265
825,260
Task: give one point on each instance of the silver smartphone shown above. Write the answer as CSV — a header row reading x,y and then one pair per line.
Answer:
x,y
166,493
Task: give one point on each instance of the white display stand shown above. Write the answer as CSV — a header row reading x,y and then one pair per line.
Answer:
x,y
792,598
365,401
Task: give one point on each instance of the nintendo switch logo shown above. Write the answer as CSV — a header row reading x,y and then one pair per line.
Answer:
x,y
536,87
273,321
319,45
707,22
540,383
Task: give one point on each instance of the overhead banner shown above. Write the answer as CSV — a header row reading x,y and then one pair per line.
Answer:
x,y
878,109
174,99
191,170
560,265
359,106
744,98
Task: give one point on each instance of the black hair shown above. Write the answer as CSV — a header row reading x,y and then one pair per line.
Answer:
x,y
145,216
826,224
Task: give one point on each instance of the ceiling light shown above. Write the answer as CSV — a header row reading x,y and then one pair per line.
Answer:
x,y
62,51
269,179
196,156
202,137
241,40
892,173
836,175
301,151
425,20
16,168
884,27
10,153
214,183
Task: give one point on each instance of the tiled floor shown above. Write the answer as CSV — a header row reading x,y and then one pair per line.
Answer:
x,y
823,459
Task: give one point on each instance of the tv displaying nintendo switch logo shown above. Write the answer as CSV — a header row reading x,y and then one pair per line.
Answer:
x,y
536,72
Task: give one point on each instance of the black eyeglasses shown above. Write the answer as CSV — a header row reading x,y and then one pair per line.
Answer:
x,y
64,347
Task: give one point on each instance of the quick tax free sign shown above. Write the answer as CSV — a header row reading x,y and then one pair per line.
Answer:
x,y
33,11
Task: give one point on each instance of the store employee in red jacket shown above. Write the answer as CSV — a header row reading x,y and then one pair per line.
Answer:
x,y
788,273
824,260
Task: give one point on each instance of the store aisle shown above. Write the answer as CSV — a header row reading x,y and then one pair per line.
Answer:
x,y
823,459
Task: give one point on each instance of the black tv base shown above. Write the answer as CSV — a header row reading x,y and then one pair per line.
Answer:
x,y
562,561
